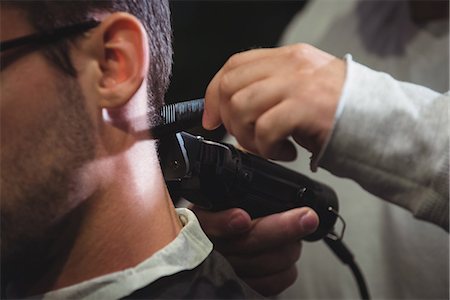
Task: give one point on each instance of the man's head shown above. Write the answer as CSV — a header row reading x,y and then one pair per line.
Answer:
x,y
153,15
53,133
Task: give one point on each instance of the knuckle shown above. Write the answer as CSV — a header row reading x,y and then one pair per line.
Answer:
x,y
241,105
236,101
299,51
225,85
234,61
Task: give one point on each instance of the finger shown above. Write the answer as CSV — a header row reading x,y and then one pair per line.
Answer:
x,y
248,104
272,231
273,129
245,74
248,56
273,284
211,115
268,262
225,223
256,98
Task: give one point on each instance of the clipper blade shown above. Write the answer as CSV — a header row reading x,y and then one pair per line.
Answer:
x,y
179,116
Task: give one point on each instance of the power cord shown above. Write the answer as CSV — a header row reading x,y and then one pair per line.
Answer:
x,y
344,254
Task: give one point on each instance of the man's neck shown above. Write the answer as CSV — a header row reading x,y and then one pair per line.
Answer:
x,y
122,224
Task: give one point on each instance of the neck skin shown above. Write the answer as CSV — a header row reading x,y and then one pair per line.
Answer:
x,y
125,221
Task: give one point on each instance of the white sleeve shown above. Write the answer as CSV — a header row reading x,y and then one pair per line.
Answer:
x,y
392,138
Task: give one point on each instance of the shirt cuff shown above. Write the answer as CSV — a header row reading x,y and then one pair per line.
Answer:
x,y
315,160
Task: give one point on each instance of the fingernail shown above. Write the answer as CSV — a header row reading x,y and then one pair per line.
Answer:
x,y
238,223
309,222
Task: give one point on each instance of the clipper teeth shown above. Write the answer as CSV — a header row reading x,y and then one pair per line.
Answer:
x,y
180,116
182,111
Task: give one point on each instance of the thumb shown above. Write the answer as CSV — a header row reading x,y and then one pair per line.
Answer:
x,y
224,223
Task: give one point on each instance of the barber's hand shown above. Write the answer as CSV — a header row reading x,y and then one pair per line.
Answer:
x,y
265,96
263,252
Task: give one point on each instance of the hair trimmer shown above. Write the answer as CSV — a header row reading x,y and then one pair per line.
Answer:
x,y
218,176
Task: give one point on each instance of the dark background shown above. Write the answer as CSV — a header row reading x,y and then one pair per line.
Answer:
x,y
207,33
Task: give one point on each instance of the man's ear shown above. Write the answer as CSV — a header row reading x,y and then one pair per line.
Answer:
x,y
123,59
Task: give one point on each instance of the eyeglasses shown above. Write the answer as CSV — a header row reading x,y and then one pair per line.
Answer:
x,y
48,37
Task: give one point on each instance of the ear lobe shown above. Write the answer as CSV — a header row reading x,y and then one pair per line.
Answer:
x,y
124,63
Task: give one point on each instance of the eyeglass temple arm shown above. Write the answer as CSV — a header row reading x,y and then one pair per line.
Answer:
x,y
48,37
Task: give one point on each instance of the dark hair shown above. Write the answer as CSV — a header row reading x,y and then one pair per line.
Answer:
x,y
154,15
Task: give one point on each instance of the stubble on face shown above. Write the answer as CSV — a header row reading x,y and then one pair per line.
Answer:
x,y
39,176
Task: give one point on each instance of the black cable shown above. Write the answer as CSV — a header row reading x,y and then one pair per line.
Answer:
x,y
344,254
363,291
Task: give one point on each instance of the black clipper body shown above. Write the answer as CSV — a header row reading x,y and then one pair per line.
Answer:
x,y
218,176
